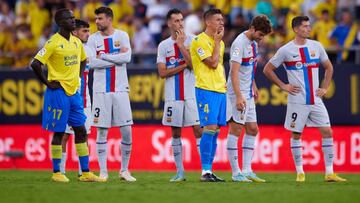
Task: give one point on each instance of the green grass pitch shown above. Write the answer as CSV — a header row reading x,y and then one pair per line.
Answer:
x,y
35,186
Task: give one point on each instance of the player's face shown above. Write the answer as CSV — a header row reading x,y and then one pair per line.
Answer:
x,y
68,21
83,34
303,30
176,22
258,36
102,22
215,22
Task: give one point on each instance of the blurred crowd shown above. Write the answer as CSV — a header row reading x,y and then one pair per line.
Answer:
x,y
25,25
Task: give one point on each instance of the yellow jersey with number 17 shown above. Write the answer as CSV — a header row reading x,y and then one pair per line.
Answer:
x,y
207,78
63,58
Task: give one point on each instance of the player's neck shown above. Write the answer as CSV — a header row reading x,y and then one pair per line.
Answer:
x,y
209,32
300,40
64,33
108,31
248,35
173,35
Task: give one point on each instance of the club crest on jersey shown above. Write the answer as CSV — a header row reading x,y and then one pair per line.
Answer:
x,y
168,120
292,125
312,53
236,52
117,43
298,65
201,52
96,120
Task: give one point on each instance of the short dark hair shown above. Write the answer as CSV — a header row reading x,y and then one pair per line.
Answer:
x,y
171,12
211,12
297,21
59,15
105,10
81,24
261,23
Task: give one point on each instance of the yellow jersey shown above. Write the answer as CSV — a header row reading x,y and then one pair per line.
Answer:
x,y
207,78
63,58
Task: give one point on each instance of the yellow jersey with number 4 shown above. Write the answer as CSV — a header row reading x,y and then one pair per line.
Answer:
x,y
63,58
207,78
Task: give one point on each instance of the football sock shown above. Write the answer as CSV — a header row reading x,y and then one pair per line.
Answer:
x,y
63,163
247,152
83,153
232,151
56,151
328,150
101,148
126,144
205,149
177,152
296,149
214,146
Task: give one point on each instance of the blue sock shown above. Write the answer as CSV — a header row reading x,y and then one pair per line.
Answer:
x,y
56,165
214,146
205,149
84,163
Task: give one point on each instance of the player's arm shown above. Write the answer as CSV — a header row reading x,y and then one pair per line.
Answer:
x,y
180,40
213,60
256,90
168,72
94,62
125,52
83,61
234,74
329,70
36,66
269,71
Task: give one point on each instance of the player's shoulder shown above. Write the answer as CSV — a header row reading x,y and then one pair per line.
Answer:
x,y
239,40
165,42
94,35
120,33
314,43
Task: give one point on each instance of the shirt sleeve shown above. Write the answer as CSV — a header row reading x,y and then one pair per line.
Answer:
x,y
278,58
236,52
323,55
44,54
200,49
161,57
83,53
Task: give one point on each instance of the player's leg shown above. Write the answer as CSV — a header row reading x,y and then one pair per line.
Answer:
x,y
248,145
209,123
77,120
191,118
63,155
122,116
219,111
55,116
101,111
319,117
297,153
177,152
236,120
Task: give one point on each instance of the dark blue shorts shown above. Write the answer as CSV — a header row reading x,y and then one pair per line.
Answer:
x,y
61,109
211,107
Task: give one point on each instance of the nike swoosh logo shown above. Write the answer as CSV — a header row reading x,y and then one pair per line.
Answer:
x,y
168,51
295,56
99,46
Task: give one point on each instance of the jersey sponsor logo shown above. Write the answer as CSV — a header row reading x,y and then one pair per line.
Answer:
x,y
42,52
236,52
172,60
71,60
201,52
310,64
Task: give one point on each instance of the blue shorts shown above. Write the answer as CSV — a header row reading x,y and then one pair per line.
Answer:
x,y
211,107
61,109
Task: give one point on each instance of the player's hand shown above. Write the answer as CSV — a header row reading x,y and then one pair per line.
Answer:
x,y
240,103
256,93
320,92
292,89
219,34
53,84
124,49
180,37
